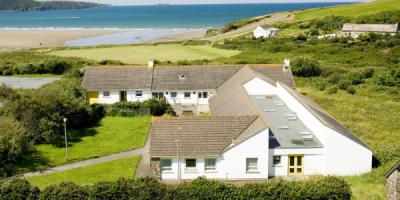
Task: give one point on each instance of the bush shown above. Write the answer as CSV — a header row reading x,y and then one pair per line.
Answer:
x,y
12,143
367,72
388,78
331,90
18,190
111,62
202,188
343,84
355,77
55,66
152,106
334,78
305,67
64,191
351,90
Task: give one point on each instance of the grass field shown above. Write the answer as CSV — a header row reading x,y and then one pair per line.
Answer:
x,y
143,53
108,171
112,135
37,75
355,10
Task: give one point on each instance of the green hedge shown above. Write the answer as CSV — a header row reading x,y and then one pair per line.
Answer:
x,y
152,106
315,188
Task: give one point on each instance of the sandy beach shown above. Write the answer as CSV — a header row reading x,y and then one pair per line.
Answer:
x,y
22,39
195,34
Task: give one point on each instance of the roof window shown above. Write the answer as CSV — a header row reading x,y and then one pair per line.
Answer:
x,y
291,117
279,103
283,127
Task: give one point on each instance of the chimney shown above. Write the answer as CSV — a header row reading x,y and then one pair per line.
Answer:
x,y
151,65
286,64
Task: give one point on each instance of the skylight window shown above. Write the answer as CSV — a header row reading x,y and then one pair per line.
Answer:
x,y
279,103
291,117
283,127
260,98
269,110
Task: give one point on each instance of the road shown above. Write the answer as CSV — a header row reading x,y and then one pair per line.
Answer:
x,y
250,27
25,83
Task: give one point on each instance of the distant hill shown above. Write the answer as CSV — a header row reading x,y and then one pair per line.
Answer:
x,y
32,5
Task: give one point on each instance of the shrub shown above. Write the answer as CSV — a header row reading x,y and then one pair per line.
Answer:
x,y
331,90
202,188
343,84
105,191
64,191
351,90
355,77
388,78
367,72
12,143
334,78
305,67
56,66
18,190
387,153
152,106
111,62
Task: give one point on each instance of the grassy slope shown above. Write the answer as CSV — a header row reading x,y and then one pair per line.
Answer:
x,y
108,171
354,10
112,135
367,115
143,53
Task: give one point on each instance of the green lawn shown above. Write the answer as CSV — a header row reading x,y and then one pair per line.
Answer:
x,y
355,10
108,171
141,54
112,135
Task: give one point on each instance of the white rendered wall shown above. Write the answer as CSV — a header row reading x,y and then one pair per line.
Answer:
x,y
342,155
232,164
260,32
257,86
131,95
313,161
192,100
113,98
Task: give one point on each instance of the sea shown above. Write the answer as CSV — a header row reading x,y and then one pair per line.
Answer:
x,y
144,22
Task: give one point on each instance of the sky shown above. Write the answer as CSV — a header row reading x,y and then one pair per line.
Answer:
x,y
152,2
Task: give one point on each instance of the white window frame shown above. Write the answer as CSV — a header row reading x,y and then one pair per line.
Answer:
x,y
191,169
106,96
185,93
210,168
166,168
249,168
137,94
273,160
176,94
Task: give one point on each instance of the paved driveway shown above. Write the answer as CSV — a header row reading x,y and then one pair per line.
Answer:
x,y
25,83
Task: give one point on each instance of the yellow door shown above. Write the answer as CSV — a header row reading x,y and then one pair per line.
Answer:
x,y
92,97
296,165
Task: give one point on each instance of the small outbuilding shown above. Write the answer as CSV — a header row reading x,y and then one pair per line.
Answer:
x,y
265,32
393,182
355,30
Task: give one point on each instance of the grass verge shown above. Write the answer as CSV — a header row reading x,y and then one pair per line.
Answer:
x,y
108,171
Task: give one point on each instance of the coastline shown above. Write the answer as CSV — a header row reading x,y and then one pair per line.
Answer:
x,y
41,38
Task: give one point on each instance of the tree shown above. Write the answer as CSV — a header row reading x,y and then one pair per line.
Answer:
x,y
12,143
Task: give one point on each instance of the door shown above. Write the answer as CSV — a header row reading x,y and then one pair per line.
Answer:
x,y
123,96
296,165
92,97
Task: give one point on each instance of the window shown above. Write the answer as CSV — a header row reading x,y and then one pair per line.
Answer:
x,y
106,93
210,164
166,164
251,164
187,94
276,160
296,164
174,94
200,95
139,93
205,95
190,164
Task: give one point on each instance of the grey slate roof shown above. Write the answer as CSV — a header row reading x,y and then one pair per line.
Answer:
x,y
197,77
167,78
198,136
324,117
117,77
383,28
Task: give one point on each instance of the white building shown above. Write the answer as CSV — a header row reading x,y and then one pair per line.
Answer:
x,y
265,32
258,128
186,89
355,30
